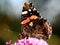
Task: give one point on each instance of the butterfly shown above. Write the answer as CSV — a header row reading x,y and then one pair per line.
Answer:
x,y
33,24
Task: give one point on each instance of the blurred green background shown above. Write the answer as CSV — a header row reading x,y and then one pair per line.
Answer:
x,y
10,12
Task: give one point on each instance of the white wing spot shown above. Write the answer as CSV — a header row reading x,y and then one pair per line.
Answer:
x,y
29,10
34,9
24,12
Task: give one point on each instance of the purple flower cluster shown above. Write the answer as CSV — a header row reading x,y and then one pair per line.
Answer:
x,y
29,41
9,42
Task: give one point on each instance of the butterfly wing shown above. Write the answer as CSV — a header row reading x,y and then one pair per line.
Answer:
x,y
34,24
